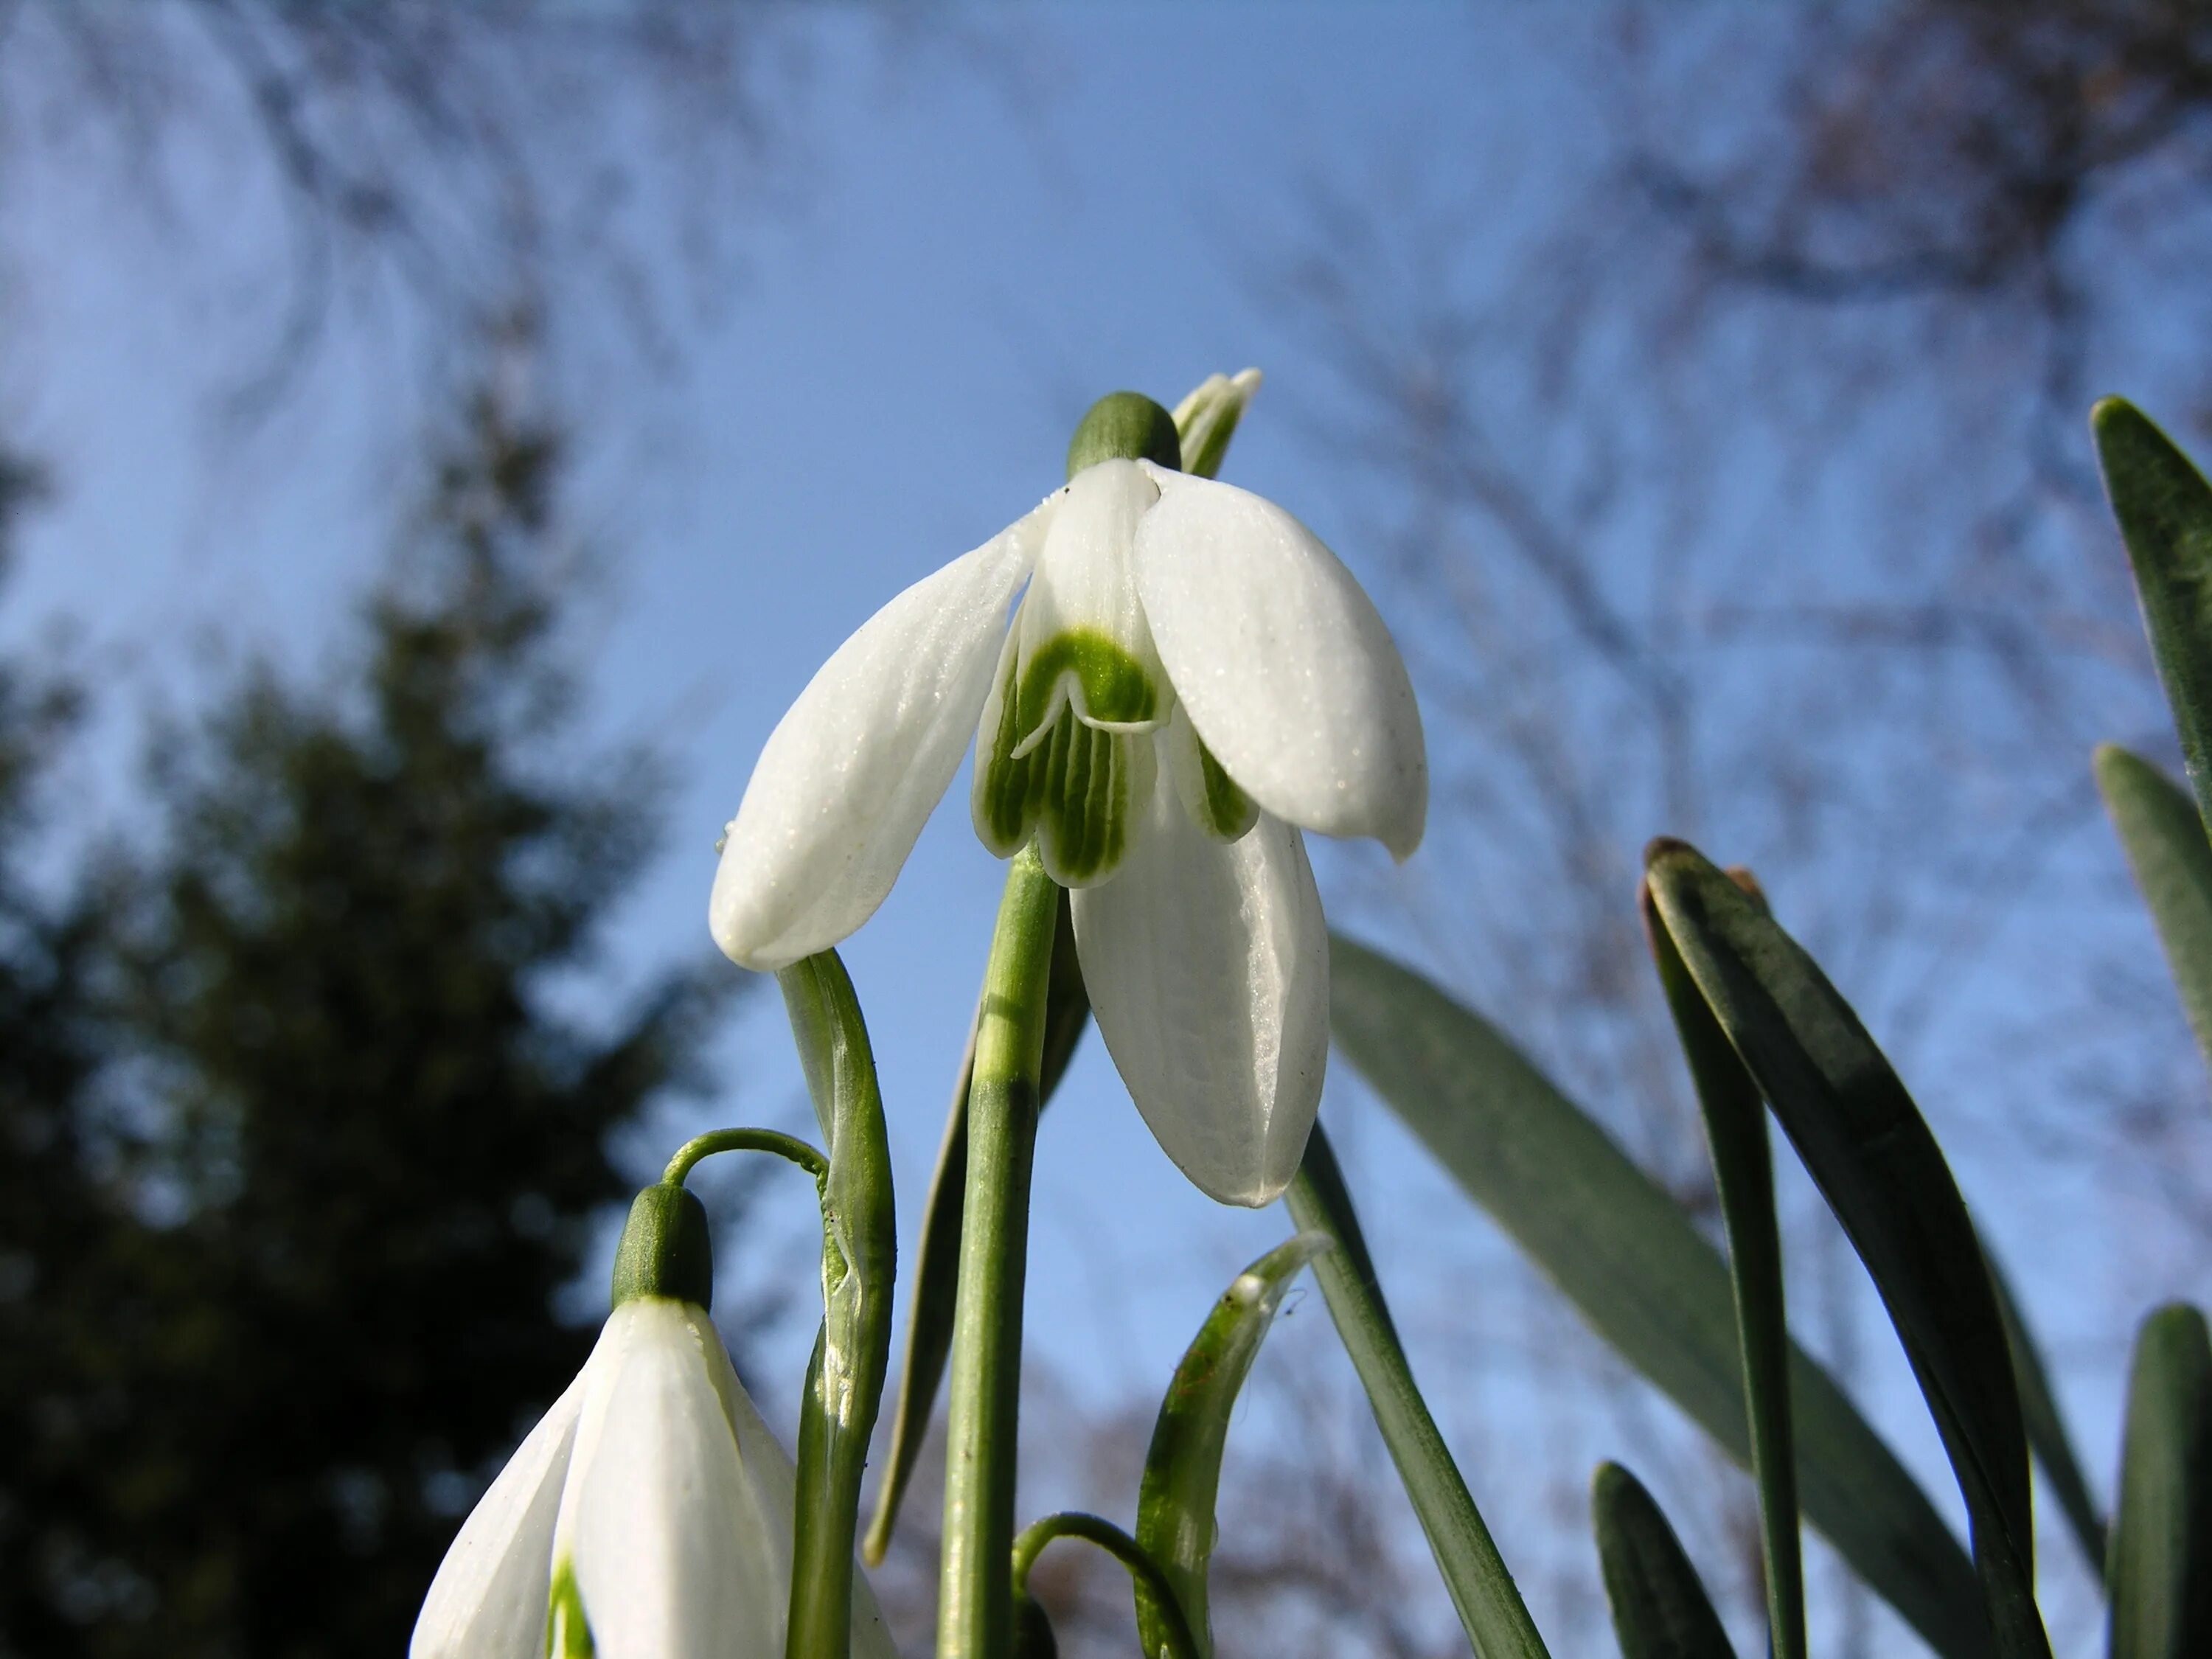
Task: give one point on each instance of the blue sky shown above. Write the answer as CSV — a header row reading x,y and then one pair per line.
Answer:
x,y
891,378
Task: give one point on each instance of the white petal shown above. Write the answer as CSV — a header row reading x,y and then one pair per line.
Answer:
x,y
657,1521
849,776
488,1601
1082,625
1207,966
1286,670
773,1484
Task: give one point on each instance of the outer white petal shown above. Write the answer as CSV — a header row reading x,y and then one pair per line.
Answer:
x,y
657,1521
849,776
1286,670
1207,966
773,1484
488,1601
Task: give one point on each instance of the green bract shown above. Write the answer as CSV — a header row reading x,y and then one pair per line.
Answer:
x,y
1125,426
664,1249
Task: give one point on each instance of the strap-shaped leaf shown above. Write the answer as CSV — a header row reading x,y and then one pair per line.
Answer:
x,y
936,1261
2162,1569
2046,1428
860,1263
2164,510
2171,861
1182,1467
1622,1251
1660,1607
1490,1606
1743,1175
1870,1152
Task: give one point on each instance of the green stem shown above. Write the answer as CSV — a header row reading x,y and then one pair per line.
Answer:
x,y
859,1265
975,1599
743,1141
1074,1524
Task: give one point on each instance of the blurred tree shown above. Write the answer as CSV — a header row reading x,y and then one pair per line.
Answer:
x,y
64,1227
409,166
372,1128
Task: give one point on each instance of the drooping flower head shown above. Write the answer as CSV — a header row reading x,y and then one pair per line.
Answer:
x,y
649,1514
1190,678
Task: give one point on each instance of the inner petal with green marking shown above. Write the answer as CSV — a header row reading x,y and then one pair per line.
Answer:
x,y
1081,789
1082,671
567,1634
1081,639
1211,798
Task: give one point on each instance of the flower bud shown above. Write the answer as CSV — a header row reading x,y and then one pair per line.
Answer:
x,y
1033,1637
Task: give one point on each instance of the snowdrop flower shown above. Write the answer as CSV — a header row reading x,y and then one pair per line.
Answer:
x,y
648,1516
1191,678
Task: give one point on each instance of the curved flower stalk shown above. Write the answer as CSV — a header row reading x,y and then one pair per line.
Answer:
x,y
1190,679
648,1516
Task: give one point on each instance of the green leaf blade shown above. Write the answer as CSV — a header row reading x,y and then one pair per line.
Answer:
x,y
1870,1152
1660,1607
2046,1427
1481,1586
1623,1254
1182,1467
2165,841
2161,1568
2164,510
1743,1175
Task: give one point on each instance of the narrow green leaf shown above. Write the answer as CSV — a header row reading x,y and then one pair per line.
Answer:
x,y
1660,1607
1743,1175
2164,510
2162,1569
2167,849
860,1263
1870,1152
2046,1427
1632,1264
1182,1467
936,1261
1490,1606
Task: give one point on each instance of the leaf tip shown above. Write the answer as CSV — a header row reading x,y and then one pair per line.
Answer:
x,y
2110,764
1749,885
2177,1321
1609,1484
2108,413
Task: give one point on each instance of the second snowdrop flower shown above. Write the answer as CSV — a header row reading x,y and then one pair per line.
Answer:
x,y
649,1514
1190,678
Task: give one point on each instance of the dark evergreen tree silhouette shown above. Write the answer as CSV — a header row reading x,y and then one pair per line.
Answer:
x,y
350,990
